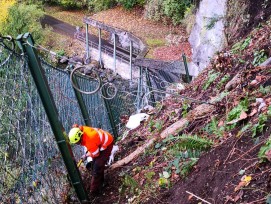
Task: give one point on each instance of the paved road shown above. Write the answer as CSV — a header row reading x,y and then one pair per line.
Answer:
x,y
69,30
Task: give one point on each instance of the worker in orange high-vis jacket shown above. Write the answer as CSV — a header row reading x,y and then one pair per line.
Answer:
x,y
99,144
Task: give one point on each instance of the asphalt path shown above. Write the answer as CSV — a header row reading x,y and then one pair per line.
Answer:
x,y
69,30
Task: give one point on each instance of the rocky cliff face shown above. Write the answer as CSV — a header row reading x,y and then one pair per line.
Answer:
x,y
207,36
219,23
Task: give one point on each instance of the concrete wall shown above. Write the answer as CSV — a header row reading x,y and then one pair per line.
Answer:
x,y
122,67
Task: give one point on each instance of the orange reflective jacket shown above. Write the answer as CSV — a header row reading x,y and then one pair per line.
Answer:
x,y
95,140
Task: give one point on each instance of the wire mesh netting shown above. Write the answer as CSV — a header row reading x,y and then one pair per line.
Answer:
x,y
31,169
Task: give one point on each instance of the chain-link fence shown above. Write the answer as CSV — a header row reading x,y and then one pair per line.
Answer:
x,y
31,169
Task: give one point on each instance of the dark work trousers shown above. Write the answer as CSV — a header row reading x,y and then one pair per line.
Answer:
x,y
98,170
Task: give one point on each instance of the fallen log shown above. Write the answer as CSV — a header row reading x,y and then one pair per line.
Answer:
x,y
133,155
266,62
175,127
200,111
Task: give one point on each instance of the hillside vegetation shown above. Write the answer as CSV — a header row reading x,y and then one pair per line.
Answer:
x,y
214,149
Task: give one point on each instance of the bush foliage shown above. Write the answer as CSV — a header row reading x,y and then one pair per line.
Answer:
x,y
174,9
99,5
22,18
129,4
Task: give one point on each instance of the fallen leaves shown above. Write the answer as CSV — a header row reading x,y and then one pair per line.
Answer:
x,y
173,52
245,180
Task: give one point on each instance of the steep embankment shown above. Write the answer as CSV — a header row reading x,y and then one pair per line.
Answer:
x,y
214,152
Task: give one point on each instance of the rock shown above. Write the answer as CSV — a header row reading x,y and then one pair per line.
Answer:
x,y
64,59
110,79
87,60
95,64
234,82
111,39
87,70
76,60
124,40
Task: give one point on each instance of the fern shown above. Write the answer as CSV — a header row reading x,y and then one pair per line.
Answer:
x,y
212,128
189,154
187,166
211,78
130,182
240,46
194,142
236,111
258,127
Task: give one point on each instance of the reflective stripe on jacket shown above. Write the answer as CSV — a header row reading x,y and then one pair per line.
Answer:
x,y
95,140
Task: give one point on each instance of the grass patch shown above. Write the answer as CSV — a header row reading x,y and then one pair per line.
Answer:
x,y
155,42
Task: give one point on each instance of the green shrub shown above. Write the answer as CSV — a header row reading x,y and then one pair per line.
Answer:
x,y
69,4
235,113
100,5
175,9
24,18
129,4
259,57
258,127
264,149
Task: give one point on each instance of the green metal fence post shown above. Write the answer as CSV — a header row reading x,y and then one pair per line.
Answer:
x,y
26,43
81,103
109,112
186,68
149,84
139,89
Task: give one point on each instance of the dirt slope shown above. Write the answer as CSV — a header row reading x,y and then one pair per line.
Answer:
x,y
231,170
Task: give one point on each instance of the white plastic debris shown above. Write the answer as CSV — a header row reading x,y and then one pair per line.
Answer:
x,y
262,103
180,86
113,152
134,120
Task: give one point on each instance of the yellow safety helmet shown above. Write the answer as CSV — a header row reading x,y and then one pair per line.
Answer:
x,y
75,135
